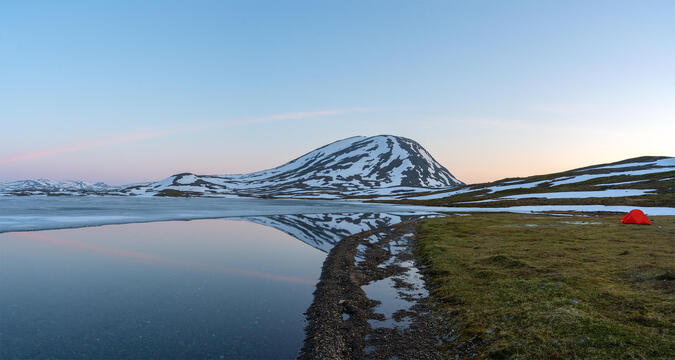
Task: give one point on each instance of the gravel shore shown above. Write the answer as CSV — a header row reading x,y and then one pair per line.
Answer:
x,y
342,319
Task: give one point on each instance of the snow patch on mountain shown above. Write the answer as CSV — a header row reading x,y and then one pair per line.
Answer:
x,y
616,174
579,194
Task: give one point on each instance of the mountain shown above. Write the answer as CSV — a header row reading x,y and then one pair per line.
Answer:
x,y
354,167
42,186
642,181
397,169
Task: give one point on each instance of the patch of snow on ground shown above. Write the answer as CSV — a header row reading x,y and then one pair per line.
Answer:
x,y
586,177
515,186
633,164
581,194
361,251
666,162
661,162
187,179
480,201
441,195
622,183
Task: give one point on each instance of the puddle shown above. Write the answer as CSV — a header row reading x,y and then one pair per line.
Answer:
x,y
398,293
581,222
390,302
390,315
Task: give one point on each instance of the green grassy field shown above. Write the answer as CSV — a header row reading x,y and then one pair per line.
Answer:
x,y
547,287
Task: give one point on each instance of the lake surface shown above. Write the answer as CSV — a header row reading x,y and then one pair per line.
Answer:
x,y
217,288
20,213
188,289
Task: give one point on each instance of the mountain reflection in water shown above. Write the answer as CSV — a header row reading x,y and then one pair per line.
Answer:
x,y
323,231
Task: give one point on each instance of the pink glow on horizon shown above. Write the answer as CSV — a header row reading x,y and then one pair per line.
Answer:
x,y
143,257
85,145
97,249
81,146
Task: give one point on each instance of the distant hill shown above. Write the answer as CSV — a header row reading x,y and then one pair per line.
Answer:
x,y
44,186
642,181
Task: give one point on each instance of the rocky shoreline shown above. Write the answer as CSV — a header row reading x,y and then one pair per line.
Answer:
x,y
344,323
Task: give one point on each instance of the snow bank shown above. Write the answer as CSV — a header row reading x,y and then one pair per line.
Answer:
x,y
516,186
580,194
581,178
622,183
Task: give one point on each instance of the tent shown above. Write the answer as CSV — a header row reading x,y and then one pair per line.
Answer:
x,y
635,216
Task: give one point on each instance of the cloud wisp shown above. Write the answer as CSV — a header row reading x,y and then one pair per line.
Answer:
x,y
80,146
106,141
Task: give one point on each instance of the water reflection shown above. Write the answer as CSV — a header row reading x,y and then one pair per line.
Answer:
x,y
178,289
323,231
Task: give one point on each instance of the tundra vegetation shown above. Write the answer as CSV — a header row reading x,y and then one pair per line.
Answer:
x,y
538,286
660,186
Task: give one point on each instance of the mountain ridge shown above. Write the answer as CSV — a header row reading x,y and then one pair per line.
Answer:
x,y
352,167
397,169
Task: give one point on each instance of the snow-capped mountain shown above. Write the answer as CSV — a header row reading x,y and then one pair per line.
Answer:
x,y
356,166
51,186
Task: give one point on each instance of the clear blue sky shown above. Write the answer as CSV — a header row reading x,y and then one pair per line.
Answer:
x,y
124,91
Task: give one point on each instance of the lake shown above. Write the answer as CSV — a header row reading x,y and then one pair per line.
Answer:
x,y
212,288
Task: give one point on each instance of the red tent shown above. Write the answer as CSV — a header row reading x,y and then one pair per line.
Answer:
x,y
635,216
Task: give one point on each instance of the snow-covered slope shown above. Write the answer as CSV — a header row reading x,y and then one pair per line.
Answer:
x,y
645,177
49,186
356,166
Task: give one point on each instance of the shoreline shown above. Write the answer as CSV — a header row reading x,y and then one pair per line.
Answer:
x,y
342,318
34,214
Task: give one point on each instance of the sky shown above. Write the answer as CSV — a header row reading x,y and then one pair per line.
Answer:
x,y
130,91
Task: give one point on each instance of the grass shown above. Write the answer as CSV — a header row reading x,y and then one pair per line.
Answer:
x,y
533,287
